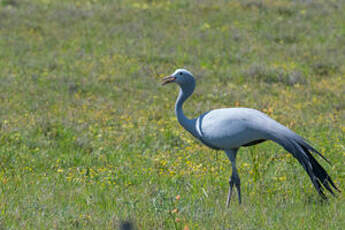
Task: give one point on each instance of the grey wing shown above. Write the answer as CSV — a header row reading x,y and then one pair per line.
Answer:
x,y
232,128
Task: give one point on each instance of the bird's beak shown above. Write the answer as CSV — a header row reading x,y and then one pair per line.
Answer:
x,y
168,79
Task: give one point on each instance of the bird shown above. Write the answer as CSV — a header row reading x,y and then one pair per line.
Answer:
x,y
229,129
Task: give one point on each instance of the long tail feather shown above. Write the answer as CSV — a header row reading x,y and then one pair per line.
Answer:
x,y
307,147
301,151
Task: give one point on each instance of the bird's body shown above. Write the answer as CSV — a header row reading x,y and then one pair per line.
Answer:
x,y
229,129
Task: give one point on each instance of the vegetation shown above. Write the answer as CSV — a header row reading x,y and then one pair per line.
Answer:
x,y
88,137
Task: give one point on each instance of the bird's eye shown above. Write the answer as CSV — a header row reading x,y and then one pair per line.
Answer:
x,y
180,73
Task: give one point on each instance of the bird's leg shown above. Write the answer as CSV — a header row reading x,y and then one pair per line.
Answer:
x,y
237,183
234,179
231,182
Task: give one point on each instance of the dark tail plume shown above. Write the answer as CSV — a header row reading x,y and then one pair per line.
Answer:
x,y
301,151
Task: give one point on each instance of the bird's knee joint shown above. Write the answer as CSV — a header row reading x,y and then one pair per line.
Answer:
x,y
235,180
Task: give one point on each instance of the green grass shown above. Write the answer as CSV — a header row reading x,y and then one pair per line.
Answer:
x,y
88,137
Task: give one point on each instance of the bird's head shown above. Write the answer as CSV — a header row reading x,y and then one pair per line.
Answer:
x,y
182,77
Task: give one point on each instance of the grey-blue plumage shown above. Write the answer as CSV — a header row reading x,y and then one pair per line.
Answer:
x,y
229,129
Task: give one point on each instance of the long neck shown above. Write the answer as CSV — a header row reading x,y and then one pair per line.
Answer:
x,y
188,124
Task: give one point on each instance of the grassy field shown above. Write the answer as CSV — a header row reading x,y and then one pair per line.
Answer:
x,y
89,138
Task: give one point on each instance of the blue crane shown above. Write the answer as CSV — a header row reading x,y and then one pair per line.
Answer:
x,y
228,129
